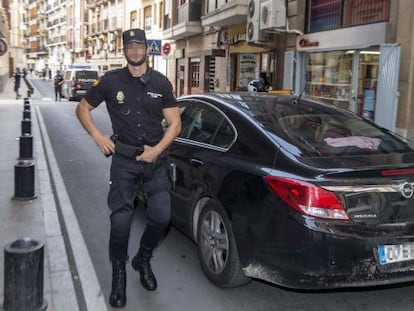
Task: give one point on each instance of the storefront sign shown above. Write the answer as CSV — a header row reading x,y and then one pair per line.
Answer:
x,y
350,37
305,43
179,53
237,38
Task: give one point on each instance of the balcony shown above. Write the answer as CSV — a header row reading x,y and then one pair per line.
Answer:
x,y
232,13
188,23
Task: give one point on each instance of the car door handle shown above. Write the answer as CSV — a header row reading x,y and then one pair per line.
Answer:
x,y
196,162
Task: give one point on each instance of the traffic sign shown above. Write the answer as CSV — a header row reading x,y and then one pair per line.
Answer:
x,y
154,47
3,46
166,48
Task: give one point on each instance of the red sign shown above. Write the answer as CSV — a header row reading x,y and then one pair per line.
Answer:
x,y
3,46
305,43
166,48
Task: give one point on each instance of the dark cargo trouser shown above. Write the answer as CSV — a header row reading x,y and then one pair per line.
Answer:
x,y
127,176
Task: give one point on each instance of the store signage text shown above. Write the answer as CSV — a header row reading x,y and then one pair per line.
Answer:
x,y
237,38
305,43
179,53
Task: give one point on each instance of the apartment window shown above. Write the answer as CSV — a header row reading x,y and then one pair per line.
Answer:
x,y
161,14
155,14
213,5
134,20
182,2
147,18
195,72
365,11
323,15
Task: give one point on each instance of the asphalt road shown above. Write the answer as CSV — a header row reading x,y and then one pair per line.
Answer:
x,y
182,285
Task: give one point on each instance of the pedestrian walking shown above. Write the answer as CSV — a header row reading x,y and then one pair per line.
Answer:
x,y
17,80
138,98
58,82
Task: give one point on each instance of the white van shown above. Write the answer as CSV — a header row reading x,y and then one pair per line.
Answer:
x,y
77,81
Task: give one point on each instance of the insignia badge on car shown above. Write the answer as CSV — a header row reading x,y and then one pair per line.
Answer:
x,y
406,190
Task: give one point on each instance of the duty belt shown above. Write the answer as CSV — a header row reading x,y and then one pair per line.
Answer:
x,y
126,150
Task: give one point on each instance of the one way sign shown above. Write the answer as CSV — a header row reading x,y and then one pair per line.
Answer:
x,y
154,47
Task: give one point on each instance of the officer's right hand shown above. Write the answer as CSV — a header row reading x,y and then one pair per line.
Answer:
x,y
106,145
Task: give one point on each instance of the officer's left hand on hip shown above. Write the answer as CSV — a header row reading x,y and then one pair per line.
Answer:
x,y
149,155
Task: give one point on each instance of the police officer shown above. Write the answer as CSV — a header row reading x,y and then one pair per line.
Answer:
x,y
138,98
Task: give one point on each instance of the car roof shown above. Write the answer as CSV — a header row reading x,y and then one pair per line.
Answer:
x,y
256,104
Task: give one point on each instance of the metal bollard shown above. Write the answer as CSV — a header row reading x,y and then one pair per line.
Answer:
x,y
26,114
26,126
26,147
23,276
24,180
28,93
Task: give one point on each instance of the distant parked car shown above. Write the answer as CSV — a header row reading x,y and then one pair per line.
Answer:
x,y
77,81
292,191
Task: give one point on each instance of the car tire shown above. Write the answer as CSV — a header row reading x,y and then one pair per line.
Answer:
x,y
217,249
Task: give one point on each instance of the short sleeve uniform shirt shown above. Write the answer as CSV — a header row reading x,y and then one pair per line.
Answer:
x,y
134,104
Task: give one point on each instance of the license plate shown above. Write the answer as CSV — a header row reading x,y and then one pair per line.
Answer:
x,y
81,92
395,253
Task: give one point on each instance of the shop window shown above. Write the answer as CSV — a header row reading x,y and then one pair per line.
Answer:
x,y
323,15
328,77
195,72
247,70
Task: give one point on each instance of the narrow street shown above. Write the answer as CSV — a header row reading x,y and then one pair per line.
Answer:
x,y
182,285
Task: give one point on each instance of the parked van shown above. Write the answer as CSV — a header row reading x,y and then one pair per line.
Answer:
x,y
77,81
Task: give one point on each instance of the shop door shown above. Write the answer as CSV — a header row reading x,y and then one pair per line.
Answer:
x,y
387,90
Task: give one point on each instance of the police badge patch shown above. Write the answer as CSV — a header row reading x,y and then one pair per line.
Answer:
x,y
120,97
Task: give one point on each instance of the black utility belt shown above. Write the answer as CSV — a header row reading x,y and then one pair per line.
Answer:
x,y
126,150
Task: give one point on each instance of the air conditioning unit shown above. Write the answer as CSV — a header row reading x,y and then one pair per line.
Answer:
x,y
272,14
253,24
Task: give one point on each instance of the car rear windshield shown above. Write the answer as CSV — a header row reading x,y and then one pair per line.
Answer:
x,y
321,130
86,75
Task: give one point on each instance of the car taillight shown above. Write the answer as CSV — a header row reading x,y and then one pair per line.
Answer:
x,y
308,199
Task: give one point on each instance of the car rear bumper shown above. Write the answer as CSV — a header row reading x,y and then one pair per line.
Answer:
x,y
325,257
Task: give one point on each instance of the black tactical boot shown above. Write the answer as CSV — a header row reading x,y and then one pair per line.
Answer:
x,y
141,263
117,299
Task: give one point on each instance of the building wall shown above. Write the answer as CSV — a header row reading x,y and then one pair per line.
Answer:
x,y
4,60
404,24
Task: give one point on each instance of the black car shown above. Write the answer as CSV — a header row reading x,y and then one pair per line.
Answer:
x,y
292,191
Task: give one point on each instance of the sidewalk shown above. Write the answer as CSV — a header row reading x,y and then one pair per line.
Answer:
x,y
36,219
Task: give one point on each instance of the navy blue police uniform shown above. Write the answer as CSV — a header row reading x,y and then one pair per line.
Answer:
x,y
135,107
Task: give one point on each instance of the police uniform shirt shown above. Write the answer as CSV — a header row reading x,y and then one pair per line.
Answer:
x,y
134,104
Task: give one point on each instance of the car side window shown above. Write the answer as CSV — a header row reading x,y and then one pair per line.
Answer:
x,y
207,125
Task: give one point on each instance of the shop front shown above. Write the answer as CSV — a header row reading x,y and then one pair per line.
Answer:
x,y
352,68
250,62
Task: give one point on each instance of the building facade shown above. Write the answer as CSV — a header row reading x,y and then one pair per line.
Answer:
x,y
355,54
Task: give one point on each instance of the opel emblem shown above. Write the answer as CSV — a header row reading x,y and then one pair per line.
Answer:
x,y
406,190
